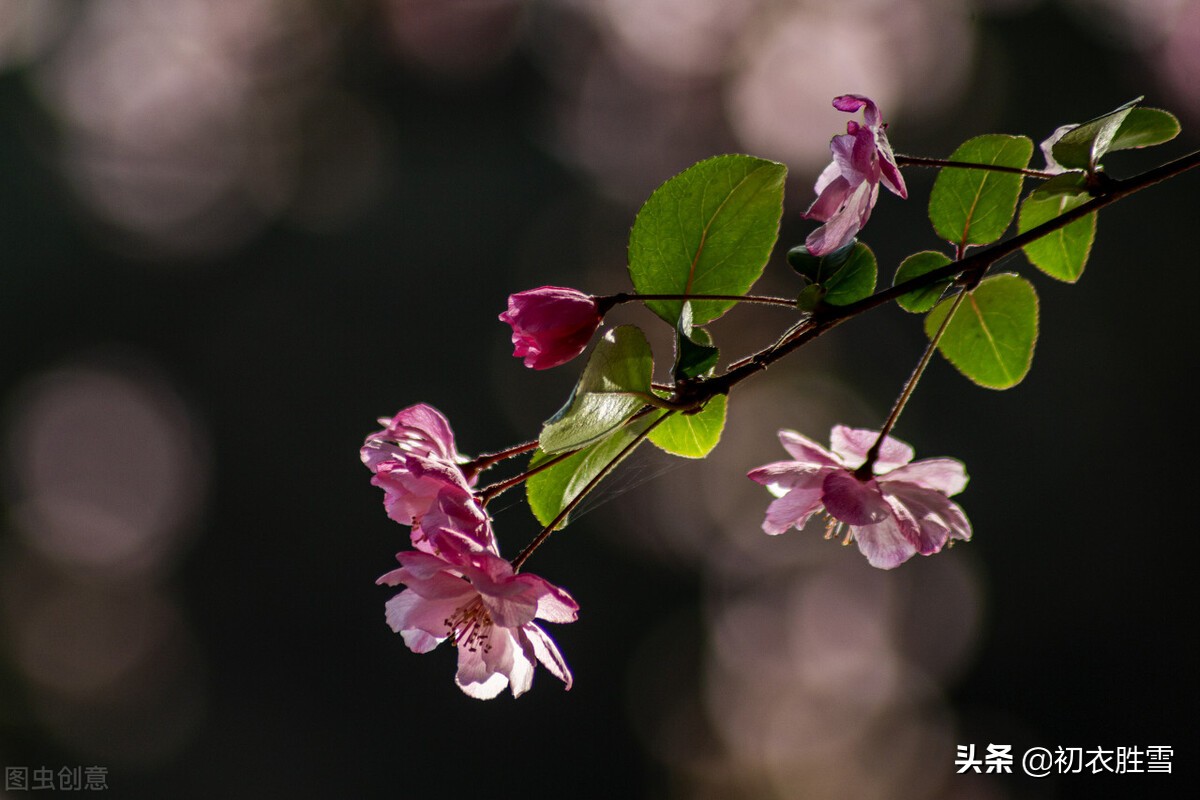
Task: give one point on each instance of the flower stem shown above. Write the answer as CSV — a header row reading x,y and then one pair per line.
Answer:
x,y
976,265
489,493
482,462
587,489
918,161
868,467
611,300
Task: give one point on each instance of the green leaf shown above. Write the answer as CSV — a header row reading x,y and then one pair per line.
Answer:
x,y
975,206
855,279
819,269
991,337
708,230
614,386
804,262
550,490
811,297
1082,146
692,435
694,354
1063,253
921,300
1145,127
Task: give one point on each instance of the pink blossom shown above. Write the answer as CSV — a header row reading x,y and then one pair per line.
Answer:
x,y
456,515
904,509
849,186
551,324
418,467
486,610
419,430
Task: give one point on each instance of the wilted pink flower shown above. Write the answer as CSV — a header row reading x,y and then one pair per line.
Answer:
x,y
551,324
485,609
849,186
905,508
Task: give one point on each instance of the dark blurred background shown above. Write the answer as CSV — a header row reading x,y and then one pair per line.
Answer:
x,y
235,232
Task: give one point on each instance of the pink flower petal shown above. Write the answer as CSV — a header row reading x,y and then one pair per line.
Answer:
x,y
784,476
863,161
408,611
511,611
945,475
806,451
854,156
936,516
555,605
520,669
793,510
830,199
411,485
852,501
476,678
419,641
547,653
419,430
827,177
847,222
853,102
889,173
486,690
884,544
851,446
444,585
455,521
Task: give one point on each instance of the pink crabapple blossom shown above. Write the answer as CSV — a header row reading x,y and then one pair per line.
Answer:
x,y
419,430
417,465
902,510
476,600
551,324
848,188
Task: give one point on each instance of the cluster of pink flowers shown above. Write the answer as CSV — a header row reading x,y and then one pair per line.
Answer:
x,y
459,588
900,510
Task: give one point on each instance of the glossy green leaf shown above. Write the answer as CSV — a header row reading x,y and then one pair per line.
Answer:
x,y
613,387
550,490
819,269
921,300
855,279
803,262
708,230
692,435
1145,127
990,340
1063,253
975,206
694,352
1082,146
